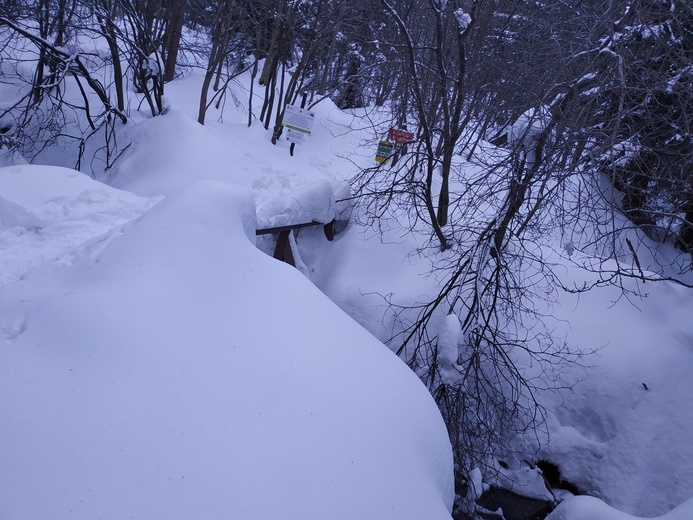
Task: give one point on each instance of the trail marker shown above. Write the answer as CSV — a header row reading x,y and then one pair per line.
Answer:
x,y
400,136
298,123
385,151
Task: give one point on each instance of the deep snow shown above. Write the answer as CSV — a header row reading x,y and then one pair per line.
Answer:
x,y
170,369
176,341
155,364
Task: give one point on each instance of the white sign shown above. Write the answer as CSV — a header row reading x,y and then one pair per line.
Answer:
x,y
294,135
298,123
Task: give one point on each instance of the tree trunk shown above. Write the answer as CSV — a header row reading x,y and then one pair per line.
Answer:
x,y
250,96
176,32
270,65
444,196
634,200
117,69
685,237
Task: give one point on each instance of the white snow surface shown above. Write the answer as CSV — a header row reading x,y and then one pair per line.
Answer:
x,y
173,150
172,370
449,338
624,434
155,364
46,210
590,508
612,437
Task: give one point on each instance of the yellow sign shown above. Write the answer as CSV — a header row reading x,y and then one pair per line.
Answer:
x,y
385,150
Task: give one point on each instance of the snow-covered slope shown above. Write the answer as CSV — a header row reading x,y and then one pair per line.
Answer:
x,y
611,436
177,342
172,370
624,432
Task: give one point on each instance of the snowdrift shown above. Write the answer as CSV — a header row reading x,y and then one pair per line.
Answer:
x,y
590,508
170,151
171,370
45,211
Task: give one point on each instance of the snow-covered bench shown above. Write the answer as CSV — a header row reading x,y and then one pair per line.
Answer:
x,y
283,250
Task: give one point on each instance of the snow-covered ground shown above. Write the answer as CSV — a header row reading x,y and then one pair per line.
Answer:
x,y
590,508
625,433
153,362
45,211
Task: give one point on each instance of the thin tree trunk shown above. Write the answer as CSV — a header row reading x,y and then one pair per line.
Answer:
x,y
280,109
109,33
270,62
270,102
217,79
250,96
444,195
204,95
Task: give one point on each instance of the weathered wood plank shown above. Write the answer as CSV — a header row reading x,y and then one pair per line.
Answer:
x,y
279,229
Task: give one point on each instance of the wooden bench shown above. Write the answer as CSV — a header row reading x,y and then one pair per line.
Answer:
x,y
283,249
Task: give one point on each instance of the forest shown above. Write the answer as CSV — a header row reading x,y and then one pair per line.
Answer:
x,y
529,135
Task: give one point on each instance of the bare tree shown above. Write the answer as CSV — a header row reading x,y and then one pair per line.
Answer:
x,y
145,24
172,37
230,44
41,115
539,82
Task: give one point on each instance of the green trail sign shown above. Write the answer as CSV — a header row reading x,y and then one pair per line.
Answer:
x,y
385,150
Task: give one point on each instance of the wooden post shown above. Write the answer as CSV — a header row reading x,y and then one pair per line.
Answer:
x,y
283,250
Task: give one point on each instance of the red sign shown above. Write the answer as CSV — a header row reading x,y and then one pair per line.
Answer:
x,y
400,136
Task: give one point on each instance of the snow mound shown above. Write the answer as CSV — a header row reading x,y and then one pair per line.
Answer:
x,y
314,203
172,370
170,151
45,211
590,508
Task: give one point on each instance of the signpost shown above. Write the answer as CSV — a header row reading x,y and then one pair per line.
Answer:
x,y
385,150
298,123
397,138
400,136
